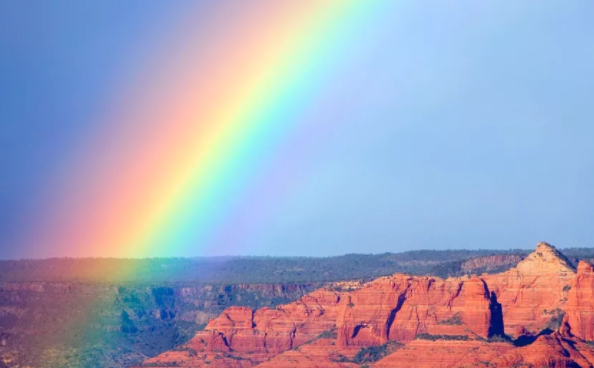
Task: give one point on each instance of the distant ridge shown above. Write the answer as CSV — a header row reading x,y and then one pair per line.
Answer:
x,y
239,270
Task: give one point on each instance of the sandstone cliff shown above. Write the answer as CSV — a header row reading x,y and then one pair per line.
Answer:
x,y
533,291
510,319
579,316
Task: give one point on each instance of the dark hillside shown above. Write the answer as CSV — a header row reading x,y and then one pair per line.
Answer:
x,y
235,270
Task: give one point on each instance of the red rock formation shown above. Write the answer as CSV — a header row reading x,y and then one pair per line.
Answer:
x,y
320,353
364,315
579,315
547,351
474,305
398,308
444,354
529,292
241,335
444,323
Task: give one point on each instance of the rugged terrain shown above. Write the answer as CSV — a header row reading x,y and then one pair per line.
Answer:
x,y
74,313
97,325
537,314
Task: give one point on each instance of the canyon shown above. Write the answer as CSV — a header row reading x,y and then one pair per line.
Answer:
x,y
116,313
267,311
76,325
539,313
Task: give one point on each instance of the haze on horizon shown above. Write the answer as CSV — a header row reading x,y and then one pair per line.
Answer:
x,y
468,126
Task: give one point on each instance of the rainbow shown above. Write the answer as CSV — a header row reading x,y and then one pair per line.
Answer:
x,y
173,165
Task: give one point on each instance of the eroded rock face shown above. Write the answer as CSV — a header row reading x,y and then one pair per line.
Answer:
x,y
399,307
320,353
242,337
579,315
548,351
365,315
434,322
532,291
444,354
475,306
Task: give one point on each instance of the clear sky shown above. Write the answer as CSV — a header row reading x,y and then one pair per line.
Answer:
x,y
458,124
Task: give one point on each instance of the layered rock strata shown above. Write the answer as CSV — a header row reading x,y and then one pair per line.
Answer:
x,y
538,314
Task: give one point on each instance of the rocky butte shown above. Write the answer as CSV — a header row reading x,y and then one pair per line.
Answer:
x,y
538,314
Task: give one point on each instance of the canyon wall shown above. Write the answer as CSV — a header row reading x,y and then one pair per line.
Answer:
x,y
95,312
537,314
63,325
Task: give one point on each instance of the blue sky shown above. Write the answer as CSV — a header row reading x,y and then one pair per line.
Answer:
x,y
465,124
